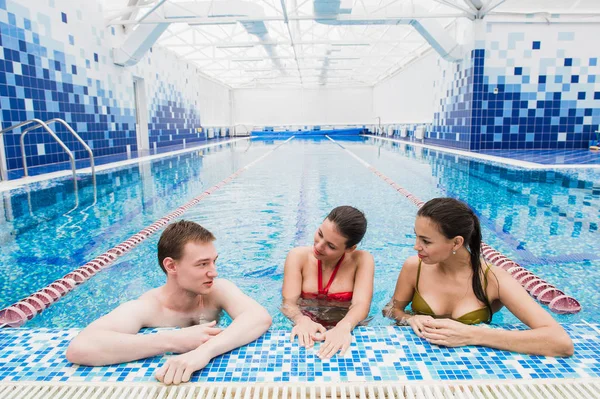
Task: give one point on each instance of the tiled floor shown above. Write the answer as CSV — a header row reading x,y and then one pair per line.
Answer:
x,y
549,157
377,354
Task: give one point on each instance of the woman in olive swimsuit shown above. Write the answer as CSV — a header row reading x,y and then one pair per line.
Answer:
x,y
328,287
451,290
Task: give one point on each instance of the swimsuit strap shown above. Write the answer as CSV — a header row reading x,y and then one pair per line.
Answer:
x,y
485,277
418,275
325,290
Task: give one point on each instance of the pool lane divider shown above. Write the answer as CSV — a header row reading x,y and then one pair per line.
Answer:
x,y
537,287
26,309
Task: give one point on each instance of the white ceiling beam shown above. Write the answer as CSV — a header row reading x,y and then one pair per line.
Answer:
x,y
475,4
172,34
291,68
490,7
152,10
306,57
272,7
340,43
289,30
345,18
128,12
387,55
307,79
468,10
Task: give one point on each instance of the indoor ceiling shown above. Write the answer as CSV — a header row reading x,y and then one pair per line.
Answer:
x,y
314,43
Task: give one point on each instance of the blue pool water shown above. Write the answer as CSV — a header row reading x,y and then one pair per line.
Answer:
x,y
545,220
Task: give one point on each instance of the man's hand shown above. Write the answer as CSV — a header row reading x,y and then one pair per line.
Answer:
x,y
178,369
189,338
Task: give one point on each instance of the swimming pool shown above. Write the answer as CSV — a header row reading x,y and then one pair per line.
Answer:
x,y
545,220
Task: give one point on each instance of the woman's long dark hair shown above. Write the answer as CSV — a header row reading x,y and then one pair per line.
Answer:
x,y
455,218
350,222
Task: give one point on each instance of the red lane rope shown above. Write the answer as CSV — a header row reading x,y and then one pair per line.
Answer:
x,y
537,287
26,309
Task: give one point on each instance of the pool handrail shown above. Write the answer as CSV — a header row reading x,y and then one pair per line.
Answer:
x,y
73,132
51,132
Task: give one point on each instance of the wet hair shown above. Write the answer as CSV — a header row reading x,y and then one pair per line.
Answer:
x,y
176,235
455,218
350,222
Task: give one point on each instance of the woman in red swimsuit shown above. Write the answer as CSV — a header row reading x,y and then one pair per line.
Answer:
x,y
329,284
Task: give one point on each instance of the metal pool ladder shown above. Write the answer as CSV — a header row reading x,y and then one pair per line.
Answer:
x,y
37,124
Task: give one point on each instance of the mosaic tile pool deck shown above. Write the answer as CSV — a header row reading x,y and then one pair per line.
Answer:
x,y
377,354
549,157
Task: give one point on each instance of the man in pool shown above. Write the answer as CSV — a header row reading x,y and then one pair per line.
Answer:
x,y
192,299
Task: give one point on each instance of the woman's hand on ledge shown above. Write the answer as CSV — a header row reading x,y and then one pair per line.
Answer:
x,y
338,339
447,332
305,329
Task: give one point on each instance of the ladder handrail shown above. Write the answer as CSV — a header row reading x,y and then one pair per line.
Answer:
x,y
74,133
59,141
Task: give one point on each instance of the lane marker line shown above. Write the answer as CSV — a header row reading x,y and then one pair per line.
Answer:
x,y
538,288
26,309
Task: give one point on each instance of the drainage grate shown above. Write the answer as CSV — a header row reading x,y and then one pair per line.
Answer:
x,y
560,389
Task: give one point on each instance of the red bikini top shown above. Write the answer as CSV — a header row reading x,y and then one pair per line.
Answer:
x,y
324,292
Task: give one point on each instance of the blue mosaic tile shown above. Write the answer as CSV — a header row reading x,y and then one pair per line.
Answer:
x,y
46,71
377,354
488,101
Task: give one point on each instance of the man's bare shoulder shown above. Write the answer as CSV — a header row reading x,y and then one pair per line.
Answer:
x,y
129,316
222,291
152,297
148,306
222,286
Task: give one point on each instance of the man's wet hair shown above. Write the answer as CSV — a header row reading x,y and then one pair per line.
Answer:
x,y
176,235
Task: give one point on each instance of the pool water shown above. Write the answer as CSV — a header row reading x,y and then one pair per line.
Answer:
x,y
545,220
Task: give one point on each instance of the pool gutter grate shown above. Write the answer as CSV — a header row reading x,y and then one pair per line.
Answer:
x,y
546,389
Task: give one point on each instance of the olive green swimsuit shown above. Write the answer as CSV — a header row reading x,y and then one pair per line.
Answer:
x,y
419,306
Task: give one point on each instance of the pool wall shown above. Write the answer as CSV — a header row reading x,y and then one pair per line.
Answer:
x,y
521,87
56,63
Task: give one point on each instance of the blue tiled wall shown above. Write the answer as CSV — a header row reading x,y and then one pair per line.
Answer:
x,y
546,84
171,122
535,88
456,122
42,78
55,62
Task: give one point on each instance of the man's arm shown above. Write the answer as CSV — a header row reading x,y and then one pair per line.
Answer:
x,y
113,338
250,321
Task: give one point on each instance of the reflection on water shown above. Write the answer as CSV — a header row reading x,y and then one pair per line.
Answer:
x,y
327,313
547,220
48,229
